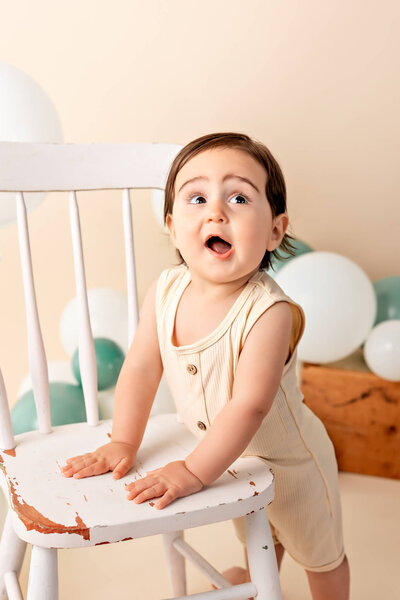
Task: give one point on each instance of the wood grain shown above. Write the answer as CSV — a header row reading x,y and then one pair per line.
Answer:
x,y
361,413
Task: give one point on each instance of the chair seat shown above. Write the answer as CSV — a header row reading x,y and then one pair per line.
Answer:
x,y
52,511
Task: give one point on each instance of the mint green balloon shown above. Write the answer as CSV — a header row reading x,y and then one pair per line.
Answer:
x,y
299,248
109,358
388,296
67,405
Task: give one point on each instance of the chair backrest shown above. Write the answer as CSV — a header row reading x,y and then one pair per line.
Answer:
x,y
30,167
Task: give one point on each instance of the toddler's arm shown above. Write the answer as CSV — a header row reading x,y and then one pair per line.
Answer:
x,y
257,380
136,387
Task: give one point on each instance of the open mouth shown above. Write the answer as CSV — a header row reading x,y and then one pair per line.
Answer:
x,y
218,245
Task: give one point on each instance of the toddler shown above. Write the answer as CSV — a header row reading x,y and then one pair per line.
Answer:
x,y
226,336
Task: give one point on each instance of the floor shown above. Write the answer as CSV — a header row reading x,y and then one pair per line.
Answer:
x,y
136,570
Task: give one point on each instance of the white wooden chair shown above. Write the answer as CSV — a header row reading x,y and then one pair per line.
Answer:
x,y
51,512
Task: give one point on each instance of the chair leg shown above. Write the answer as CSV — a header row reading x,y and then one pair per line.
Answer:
x,y
175,563
261,556
43,574
12,552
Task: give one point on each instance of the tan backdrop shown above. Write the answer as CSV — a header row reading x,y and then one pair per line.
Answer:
x,y
318,82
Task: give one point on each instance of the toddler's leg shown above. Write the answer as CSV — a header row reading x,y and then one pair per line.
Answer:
x,y
331,585
279,551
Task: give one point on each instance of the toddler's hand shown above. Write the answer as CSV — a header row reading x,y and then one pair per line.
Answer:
x,y
171,482
114,456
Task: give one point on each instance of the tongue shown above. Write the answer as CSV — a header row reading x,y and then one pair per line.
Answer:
x,y
219,246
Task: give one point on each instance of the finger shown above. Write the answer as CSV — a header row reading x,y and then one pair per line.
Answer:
x,y
71,460
136,487
81,460
79,457
70,470
133,484
153,472
154,491
169,496
122,468
68,473
70,464
97,468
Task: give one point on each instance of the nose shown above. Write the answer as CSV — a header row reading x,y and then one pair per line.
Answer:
x,y
216,212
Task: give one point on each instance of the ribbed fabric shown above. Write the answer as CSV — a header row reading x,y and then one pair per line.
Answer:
x,y
305,515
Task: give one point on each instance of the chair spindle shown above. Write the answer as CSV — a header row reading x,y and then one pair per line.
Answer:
x,y
36,352
7,441
87,354
131,282
12,586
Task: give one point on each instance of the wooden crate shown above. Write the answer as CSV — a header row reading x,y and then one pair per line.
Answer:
x,y
361,413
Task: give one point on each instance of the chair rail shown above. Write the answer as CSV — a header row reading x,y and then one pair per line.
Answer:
x,y
31,167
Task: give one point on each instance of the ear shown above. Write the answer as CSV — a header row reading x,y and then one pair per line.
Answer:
x,y
169,222
279,227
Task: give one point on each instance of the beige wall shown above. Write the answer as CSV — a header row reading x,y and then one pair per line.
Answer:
x,y
317,81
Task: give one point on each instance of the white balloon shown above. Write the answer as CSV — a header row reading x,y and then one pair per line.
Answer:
x,y
59,370
105,399
338,300
108,311
382,350
163,402
26,115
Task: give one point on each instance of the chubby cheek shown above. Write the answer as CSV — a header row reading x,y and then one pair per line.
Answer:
x,y
184,241
255,241
184,237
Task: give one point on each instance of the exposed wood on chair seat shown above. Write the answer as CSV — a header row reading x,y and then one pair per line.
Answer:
x,y
96,508
33,519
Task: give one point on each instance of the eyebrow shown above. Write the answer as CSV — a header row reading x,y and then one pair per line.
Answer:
x,y
229,176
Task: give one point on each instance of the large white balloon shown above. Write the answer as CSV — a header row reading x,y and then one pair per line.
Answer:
x,y
108,311
105,399
163,402
26,115
382,350
338,300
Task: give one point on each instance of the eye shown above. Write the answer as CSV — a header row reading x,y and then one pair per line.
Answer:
x,y
238,199
196,199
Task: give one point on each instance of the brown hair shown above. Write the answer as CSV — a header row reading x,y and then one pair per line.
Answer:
x,y
275,188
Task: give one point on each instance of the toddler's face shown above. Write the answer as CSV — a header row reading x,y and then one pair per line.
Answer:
x,y
221,221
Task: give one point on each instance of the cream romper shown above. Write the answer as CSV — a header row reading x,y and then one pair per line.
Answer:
x,y
305,515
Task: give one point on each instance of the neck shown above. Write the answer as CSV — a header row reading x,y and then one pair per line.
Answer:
x,y
216,291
